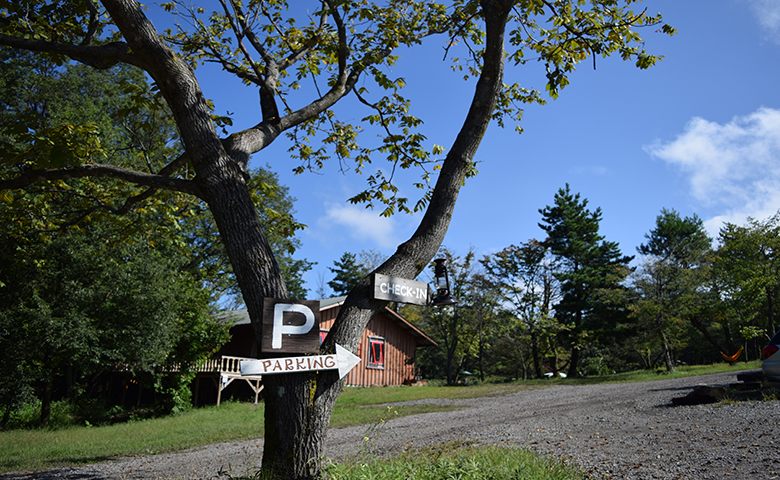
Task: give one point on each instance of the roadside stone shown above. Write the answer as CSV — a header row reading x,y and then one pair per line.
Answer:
x,y
701,394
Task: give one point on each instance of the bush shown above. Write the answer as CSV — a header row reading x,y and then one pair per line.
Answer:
x,y
29,415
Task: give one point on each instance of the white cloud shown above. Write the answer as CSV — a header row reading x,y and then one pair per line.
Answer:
x,y
767,13
733,168
361,224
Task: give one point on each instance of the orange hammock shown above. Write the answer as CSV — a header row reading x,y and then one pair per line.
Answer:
x,y
732,358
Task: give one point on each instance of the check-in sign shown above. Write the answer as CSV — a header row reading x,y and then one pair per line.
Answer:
x,y
401,290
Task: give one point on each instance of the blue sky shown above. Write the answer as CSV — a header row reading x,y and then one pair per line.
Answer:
x,y
699,132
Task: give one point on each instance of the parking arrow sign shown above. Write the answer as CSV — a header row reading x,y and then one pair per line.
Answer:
x,y
343,361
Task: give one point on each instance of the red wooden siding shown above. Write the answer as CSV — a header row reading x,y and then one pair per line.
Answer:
x,y
399,350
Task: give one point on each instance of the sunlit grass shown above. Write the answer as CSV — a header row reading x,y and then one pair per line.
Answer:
x,y
36,449
650,375
380,395
450,462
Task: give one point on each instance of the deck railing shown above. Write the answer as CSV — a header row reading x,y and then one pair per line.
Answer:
x,y
224,364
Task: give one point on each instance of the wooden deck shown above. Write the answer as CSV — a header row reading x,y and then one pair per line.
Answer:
x,y
227,369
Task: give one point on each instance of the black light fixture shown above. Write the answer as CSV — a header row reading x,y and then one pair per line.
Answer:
x,y
442,283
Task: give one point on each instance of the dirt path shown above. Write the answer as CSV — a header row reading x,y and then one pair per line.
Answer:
x,y
612,431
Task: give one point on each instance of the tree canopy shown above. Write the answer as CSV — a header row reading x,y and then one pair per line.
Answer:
x,y
671,284
749,260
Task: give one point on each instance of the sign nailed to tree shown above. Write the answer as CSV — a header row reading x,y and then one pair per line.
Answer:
x,y
343,361
400,290
291,326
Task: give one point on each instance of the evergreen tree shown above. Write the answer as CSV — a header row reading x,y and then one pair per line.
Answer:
x,y
682,241
586,266
348,273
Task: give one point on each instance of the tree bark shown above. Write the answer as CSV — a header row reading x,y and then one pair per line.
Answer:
x,y
535,354
667,353
48,389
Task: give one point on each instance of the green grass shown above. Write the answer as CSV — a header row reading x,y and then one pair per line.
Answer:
x,y
650,375
43,448
458,462
38,449
380,395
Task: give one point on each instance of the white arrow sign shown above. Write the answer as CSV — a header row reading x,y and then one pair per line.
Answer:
x,y
343,360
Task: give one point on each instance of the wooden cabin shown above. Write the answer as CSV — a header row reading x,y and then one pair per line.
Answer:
x,y
387,347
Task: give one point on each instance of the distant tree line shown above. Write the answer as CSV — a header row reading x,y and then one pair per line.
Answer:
x,y
572,304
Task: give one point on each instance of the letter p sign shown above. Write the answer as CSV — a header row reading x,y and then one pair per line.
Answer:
x,y
291,326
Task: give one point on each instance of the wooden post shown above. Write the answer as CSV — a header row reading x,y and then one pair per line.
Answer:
x,y
219,389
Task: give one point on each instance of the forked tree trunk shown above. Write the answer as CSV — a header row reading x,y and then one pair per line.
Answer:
x,y
298,407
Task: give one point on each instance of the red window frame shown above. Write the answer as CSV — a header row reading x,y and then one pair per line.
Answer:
x,y
376,352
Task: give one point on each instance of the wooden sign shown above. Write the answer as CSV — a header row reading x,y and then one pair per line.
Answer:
x,y
343,361
400,290
290,326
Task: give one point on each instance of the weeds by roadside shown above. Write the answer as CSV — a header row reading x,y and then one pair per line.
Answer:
x,y
461,461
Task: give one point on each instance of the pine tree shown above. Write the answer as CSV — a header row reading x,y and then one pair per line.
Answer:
x,y
586,264
348,273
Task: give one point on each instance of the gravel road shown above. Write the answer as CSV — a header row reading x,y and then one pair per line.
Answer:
x,y
626,431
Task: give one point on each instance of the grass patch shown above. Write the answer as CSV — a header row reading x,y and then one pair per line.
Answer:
x,y
650,375
453,461
42,448
381,395
347,416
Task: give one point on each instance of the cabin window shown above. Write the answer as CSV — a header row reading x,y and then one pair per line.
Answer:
x,y
376,352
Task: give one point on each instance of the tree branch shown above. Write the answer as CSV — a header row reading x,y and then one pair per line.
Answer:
x,y
97,56
102,171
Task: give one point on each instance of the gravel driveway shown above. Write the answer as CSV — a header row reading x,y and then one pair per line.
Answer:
x,y
612,431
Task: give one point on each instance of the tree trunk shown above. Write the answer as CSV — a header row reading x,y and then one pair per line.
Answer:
x,y
48,389
298,406
698,325
770,304
574,361
535,355
667,353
